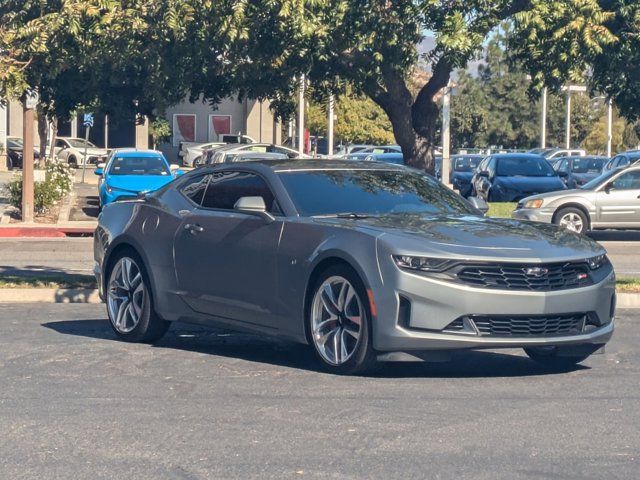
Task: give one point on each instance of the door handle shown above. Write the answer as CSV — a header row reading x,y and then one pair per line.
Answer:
x,y
194,228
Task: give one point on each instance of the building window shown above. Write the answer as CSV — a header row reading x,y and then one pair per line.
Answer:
x,y
184,128
219,125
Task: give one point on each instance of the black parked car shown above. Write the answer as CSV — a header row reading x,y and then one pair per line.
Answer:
x,y
14,153
510,177
462,168
576,171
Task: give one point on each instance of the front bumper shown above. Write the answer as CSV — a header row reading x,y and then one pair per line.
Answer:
x,y
434,304
534,214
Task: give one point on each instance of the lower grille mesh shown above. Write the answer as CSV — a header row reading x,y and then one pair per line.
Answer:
x,y
524,326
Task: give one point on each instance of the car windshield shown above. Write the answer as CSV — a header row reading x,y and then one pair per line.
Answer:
x,y
79,143
139,166
15,143
587,165
466,164
524,167
596,182
370,192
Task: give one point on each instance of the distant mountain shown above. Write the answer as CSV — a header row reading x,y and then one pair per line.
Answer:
x,y
429,44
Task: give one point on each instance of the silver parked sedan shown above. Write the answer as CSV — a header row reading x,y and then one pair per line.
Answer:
x,y
364,261
611,200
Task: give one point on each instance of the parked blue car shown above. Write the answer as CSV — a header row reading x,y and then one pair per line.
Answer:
x,y
130,172
576,171
510,177
373,150
396,158
461,173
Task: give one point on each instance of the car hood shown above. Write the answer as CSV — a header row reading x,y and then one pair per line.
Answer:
x,y
94,151
474,237
531,184
552,196
138,183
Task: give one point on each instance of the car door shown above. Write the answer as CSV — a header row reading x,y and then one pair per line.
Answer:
x,y
619,204
61,149
225,261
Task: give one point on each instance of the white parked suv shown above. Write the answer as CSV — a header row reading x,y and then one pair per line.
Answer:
x,y
71,150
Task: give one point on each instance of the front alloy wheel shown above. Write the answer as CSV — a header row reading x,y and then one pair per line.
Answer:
x,y
572,219
130,303
339,322
126,295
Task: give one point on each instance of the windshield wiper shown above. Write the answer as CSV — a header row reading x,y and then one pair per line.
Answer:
x,y
351,215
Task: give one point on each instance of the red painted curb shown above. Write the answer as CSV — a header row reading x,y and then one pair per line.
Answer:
x,y
44,232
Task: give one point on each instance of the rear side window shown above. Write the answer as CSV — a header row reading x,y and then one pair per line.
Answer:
x,y
525,167
226,188
194,189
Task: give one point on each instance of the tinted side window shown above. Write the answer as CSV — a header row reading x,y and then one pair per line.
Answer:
x,y
225,188
195,188
61,144
623,161
491,167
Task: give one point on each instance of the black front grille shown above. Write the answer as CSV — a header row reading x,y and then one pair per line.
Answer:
x,y
536,326
542,278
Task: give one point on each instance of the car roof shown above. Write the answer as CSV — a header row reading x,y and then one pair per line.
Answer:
x,y
138,153
289,165
519,155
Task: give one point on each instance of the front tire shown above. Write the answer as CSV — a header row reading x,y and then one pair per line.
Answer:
x,y
338,322
550,357
572,219
130,302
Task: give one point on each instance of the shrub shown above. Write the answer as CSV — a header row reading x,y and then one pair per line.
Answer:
x,y
57,184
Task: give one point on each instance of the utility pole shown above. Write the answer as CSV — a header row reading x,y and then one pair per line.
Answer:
x,y
543,126
446,135
301,115
609,127
28,117
3,135
330,127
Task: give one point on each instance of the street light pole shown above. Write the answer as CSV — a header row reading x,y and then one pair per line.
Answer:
x,y
609,126
28,116
568,126
301,116
543,126
446,134
330,127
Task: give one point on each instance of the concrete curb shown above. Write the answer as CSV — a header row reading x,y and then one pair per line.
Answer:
x,y
47,230
49,295
88,295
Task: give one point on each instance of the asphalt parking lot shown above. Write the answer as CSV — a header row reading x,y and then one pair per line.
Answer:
x,y
202,404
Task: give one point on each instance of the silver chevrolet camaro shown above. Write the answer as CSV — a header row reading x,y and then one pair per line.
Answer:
x,y
364,261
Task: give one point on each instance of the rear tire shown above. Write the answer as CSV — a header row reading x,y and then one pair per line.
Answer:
x,y
573,219
9,163
130,301
550,357
338,322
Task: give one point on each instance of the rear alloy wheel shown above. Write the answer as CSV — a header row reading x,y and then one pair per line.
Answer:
x,y
572,219
550,357
130,304
339,322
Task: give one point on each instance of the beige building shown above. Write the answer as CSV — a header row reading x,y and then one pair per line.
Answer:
x,y
190,122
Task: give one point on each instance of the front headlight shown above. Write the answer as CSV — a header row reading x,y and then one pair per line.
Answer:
x,y
597,262
423,264
534,203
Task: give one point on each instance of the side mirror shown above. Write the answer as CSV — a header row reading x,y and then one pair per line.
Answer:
x,y
483,173
253,206
99,169
479,204
608,187
563,174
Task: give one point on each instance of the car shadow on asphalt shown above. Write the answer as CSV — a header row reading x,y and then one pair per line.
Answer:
x,y
272,351
615,235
